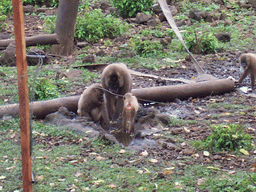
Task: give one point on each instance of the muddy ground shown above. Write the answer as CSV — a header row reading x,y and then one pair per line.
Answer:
x,y
153,136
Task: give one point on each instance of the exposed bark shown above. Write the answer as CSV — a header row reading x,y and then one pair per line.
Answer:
x,y
65,26
161,94
33,41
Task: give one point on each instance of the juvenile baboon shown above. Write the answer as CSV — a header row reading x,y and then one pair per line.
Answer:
x,y
91,104
130,110
117,79
248,62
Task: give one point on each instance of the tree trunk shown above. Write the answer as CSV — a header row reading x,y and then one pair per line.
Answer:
x,y
65,27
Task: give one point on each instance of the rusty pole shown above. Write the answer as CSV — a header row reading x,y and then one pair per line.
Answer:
x,y
21,63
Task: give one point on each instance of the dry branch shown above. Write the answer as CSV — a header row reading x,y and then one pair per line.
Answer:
x,y
33,41
161,94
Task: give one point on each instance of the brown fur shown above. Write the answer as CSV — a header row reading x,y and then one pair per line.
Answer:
x,y
91,104
117,79
130,110
248,62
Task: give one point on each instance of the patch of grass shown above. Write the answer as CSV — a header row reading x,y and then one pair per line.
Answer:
x,y
147,48
129,8
226,138
44,89
200,43
94,25
98,165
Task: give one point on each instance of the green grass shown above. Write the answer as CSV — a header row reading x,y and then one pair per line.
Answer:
x,y
64,160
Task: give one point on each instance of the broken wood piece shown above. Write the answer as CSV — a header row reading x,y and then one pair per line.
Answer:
x,y
161,94
33,41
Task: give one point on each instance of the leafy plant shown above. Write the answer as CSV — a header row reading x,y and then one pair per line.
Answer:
x,y
44,89
200,43
50,23
231,137
129,8
5,7
146,48
94,25
48,3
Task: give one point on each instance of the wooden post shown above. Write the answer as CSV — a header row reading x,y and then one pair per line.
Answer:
x,y
21,63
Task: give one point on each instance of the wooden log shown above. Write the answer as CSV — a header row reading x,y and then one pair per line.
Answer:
x,y
161,94
185,91
33,41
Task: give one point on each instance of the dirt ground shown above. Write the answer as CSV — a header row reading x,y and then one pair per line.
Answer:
x,y
197,109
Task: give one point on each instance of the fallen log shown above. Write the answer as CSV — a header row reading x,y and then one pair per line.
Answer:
x,y
40,109
33,41
161,94
185,91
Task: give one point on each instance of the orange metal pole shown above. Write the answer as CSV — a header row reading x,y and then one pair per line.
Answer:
x,y
21,63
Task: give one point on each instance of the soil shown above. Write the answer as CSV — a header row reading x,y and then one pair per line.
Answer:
x,y
198,109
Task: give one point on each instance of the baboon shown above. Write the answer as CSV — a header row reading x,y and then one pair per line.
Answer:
x,y
117,79
248,62
130,110
92,104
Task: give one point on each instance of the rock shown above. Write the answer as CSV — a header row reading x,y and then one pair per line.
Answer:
x,y
89,59
8,58
252,2
187,152
35,56
210,17
174,10
100,53
161,17
124,54
28,9
154,21
142,18
157,9
224,37
104,5
196,14
228,22
2,74
223,16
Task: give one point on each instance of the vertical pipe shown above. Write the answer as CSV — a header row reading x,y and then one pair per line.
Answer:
x,y
21,63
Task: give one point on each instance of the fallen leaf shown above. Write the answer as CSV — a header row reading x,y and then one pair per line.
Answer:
x,y
139,171
99,158
122,151
186,130
153,161
40,177
112,185
146,170
98,182
200,181
178,186
168,172
78,174
216,168
169,168
144,153
51,184
206,153
244,152
232,172
1,188
2,177
61,180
